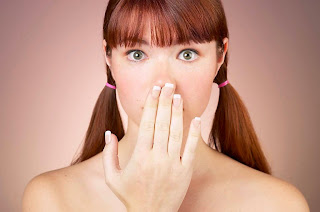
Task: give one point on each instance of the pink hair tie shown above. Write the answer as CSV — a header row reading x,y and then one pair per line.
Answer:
x,y
223,84
111,86
219,86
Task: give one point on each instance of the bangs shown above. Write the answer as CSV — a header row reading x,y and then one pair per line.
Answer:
x,y
170,21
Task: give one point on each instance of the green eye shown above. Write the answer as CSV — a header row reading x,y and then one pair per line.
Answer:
x,y
137,55
188,54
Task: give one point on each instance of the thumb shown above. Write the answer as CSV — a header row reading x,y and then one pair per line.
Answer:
x,y
110,156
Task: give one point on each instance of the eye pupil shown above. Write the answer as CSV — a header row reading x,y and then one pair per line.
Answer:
x,y
187,54
136,55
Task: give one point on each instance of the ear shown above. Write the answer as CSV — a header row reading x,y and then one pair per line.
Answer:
x,y
226,45
108,59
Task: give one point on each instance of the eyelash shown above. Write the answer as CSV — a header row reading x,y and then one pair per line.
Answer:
x,y
133,50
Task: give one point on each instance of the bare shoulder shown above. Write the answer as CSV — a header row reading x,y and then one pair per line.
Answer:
x,y
80,187
253,190
42,193
272,194
48,191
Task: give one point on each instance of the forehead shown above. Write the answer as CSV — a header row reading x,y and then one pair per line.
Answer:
x,y
146,39
145,22
147,35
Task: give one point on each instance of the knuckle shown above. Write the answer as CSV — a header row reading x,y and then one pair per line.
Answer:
x,y
175,136
148,125
189,165
176,172
194,134
162,126
108,179
158,145
191,150
138,154
165,104
177,113
151,105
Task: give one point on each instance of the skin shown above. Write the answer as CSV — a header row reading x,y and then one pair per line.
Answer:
x,y
155,178
159,66
218,182
134,79
190,76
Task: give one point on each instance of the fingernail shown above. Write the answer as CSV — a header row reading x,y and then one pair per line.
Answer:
x,y
107,136
169,89
176,100
196,122
155,91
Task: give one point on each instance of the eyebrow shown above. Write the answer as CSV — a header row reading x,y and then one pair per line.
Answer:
x,y
143,42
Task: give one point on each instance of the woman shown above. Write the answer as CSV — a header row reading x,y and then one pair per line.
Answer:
x,y
162,163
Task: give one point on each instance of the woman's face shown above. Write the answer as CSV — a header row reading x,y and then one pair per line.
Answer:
x,y
191,68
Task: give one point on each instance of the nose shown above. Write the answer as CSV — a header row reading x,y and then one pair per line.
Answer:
x,y
162,82
163,73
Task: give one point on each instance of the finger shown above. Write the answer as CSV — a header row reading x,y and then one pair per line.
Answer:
x,y
146,128
192,141
176,128
110,157
161,133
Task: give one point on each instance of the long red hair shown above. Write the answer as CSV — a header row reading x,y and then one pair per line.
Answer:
x,y
232,132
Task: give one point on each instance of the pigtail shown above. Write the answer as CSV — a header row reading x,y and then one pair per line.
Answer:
x,y
232,131
105,116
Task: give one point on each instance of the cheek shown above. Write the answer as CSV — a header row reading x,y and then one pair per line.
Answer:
x,y
131,99
196,99
196,91
130,80
128,72
129,95
201,99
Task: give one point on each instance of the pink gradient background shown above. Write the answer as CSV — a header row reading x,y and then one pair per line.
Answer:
x,y
52,70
